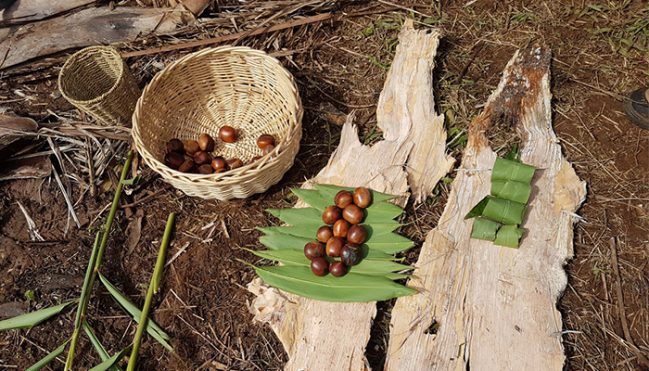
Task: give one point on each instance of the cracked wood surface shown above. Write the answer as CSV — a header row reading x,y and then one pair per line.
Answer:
x,y
485,307
414,138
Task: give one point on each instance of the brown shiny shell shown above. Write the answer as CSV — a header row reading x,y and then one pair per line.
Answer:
x,y
351,255
206,142
324,233
343,198
335,246
314,250
175,145
265,140
357,234
235,163
219,164
362,197
340,228
191,147
319,266
174,160
228,134
205,169
187,166
353,214
268,149
338,269
202,157
331,214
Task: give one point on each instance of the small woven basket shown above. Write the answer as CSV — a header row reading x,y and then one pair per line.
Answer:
x,y
201,92
97,81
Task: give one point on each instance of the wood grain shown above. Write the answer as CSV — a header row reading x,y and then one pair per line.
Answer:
x,y
485,307
303,325
24,11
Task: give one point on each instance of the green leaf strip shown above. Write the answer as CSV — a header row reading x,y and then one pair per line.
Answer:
x,y
99,348
509,236
48,358
484,229
112,361
512,170
33,318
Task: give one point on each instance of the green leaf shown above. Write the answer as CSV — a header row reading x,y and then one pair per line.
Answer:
x,y
103,354
367,266
379,229
295,231
313,198
329,191
34,318
484,229
279,241
511,190
390,243
512,170
352,287
48,358
499,210
152,328
509,236
305,216
112,361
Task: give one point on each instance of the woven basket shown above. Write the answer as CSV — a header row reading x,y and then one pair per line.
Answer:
x,y
201,92
97,81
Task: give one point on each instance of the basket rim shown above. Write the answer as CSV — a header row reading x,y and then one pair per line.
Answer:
x,y
72,59
263,162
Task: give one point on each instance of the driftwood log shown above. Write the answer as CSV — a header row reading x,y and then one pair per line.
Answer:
x,y
414,139
484,307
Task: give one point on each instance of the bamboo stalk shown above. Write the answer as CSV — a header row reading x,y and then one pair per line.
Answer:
x,y
94,264
154,285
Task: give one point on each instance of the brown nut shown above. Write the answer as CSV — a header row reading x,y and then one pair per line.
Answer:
x,y
206,142
174,160
338,269
331,214
319,266
228,134
340,228
351,255
187,166
219,164
314,250
357,234
175,145
362,197
335,246
191,147
324,234
201,158
235,163
343,198
268,149
205,169
353,214
265,140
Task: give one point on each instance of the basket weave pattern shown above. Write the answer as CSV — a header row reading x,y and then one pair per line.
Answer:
x,y
97,81
201,92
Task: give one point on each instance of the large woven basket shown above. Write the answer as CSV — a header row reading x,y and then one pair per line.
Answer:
x,y
97,81
201,92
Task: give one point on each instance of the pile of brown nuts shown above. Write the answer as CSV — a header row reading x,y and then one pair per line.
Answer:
x,y
194,156
343,235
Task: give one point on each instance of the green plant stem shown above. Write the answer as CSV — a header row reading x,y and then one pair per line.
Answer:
x,y
93,267
154,285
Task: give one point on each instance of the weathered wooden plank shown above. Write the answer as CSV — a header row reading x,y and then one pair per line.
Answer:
x,y
34,10
83,28
305,326
485,307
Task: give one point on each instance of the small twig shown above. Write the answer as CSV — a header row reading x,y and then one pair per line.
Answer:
x,y
66,197
177,254
31,225
91,167
642,359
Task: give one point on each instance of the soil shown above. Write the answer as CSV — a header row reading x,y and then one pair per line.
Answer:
x,y
340,66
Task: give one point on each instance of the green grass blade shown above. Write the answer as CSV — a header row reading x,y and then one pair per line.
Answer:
x,y
112,361
48,358
154,285
352,287
152,328
103,354
33,318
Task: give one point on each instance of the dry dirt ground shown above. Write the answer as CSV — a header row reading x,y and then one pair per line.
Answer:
x,y
600,53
